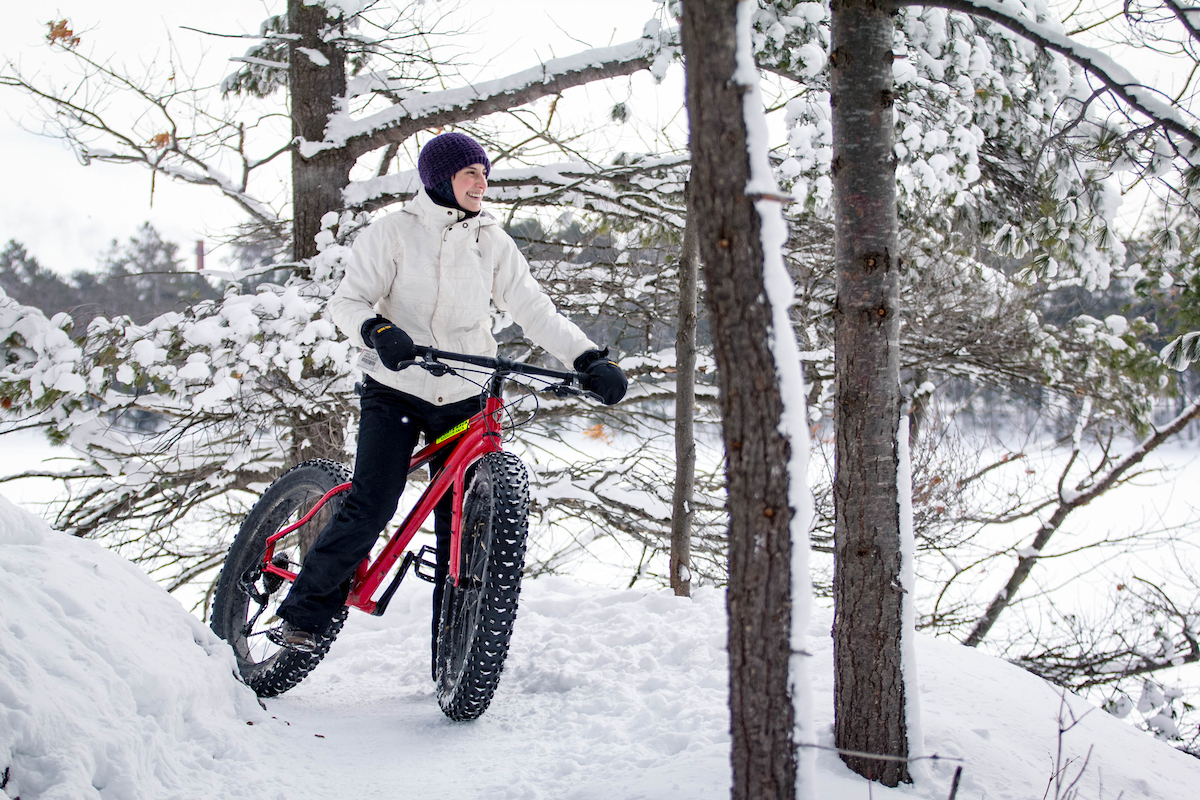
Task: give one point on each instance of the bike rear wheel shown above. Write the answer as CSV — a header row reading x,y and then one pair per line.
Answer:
x,y
246,598
476,617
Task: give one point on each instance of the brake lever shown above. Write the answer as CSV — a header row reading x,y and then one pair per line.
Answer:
x,y
434,367
563,390
566,390
579,391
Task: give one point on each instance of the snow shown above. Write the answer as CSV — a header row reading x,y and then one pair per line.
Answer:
x,y
109,689
340,8
262,62
909,660
316,56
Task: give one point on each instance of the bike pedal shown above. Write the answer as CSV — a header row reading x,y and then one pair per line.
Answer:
x,y
425,558
425,564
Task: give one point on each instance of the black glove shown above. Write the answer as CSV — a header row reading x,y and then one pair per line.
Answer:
x,y
602,376
391,343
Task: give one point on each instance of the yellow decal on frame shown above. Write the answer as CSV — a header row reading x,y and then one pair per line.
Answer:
x,y
455,431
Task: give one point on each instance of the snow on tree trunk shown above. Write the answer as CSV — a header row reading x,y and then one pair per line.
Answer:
x,y
908,579
748,293
869,690
316,79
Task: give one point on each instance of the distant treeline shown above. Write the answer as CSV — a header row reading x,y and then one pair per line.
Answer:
x,y
141,279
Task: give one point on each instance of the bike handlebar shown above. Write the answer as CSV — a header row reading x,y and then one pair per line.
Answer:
x,y
497,364
500,367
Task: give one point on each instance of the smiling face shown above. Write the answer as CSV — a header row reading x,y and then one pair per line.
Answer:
x,y
469,184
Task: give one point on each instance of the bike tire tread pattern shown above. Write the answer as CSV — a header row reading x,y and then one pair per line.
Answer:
x,y
275,676
467,695
285,668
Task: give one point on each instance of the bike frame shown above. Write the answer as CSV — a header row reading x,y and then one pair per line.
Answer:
x,y
468,443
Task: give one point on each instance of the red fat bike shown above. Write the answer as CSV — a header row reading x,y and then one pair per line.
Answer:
x,y
489,524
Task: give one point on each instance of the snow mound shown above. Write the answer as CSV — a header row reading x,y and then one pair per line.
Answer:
x,y
108,687
1001,725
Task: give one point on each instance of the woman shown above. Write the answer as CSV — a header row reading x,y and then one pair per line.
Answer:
x,y
425,274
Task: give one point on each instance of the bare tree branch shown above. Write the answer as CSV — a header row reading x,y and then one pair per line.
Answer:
x,y
1068,502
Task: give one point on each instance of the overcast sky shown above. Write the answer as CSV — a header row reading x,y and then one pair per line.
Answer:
x,y
66,215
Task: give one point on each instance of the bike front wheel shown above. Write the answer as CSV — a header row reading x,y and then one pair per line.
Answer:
x,y
476,617
246,598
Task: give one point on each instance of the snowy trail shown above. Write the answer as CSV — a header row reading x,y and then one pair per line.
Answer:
x,y
599,700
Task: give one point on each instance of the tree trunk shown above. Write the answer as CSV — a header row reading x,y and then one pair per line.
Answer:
x,y
319,433
318,181
757,453
869,692
685,408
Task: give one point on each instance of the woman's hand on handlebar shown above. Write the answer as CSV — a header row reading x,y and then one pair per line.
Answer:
x,y
602,376
393,345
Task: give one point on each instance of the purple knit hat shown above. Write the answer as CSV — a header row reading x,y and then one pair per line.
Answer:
x,y
443,156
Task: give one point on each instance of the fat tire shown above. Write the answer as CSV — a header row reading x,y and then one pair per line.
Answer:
x,y
266,668
476,617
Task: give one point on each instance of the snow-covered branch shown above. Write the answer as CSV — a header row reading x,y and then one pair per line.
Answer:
x,y
414,111
172,134
641,188
1117,78
1123,646
1182,351
1188,17
229,392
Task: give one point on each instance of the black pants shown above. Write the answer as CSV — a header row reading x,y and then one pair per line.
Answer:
x,y
387,436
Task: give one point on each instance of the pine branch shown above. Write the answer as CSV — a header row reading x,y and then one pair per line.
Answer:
x,y
1119,81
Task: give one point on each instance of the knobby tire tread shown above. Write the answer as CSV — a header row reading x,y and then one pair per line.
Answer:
x,y
467,680
232,607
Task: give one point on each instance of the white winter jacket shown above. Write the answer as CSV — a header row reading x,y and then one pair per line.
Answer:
x,y
434,274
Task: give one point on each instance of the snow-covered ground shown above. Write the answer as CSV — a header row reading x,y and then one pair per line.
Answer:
x,y
110,689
